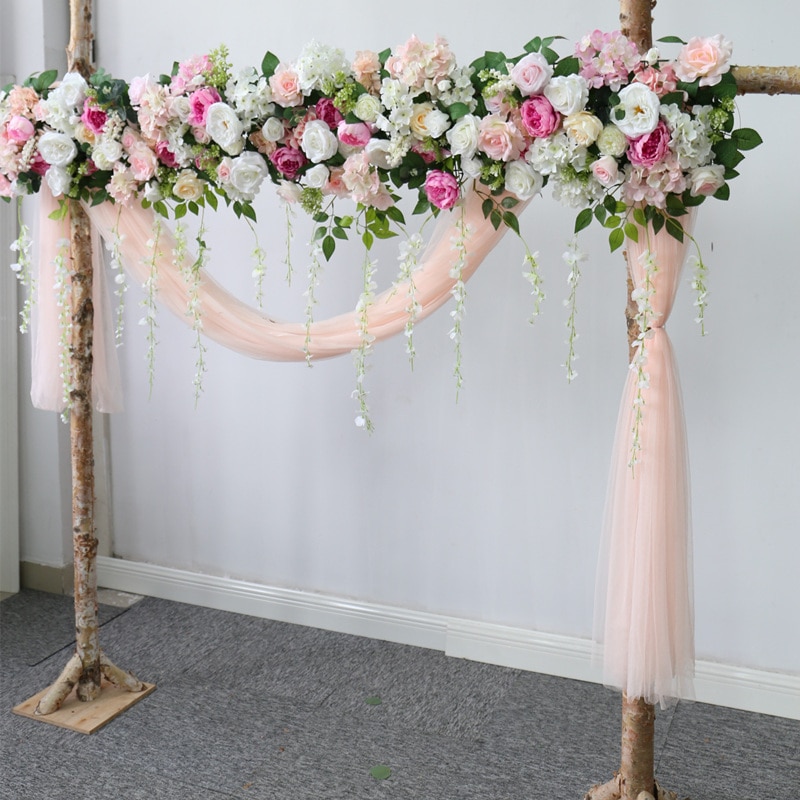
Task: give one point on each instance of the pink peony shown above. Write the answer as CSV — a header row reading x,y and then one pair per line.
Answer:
x,y
328,113
539,118
441,189
355,134
199,102
661,81
93,118
38,164
500,139
704,58
650,148
165,155
19,129
288,161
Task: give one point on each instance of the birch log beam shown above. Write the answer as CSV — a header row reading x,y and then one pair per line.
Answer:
x,y
767,80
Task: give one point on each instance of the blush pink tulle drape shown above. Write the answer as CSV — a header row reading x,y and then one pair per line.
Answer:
x,y
643,605
226,319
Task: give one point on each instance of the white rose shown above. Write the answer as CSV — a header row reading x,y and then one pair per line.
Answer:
x,y
106,153
437,122
471,166
567,93
378,152
317,176
188,186
180,107
247,173
225,128
152,192
318,142
531,74
463,136
367,107
419,116
704,181
583,127
58,179
641,106
57,149
612,141
523,180
289,191
72,90
273,129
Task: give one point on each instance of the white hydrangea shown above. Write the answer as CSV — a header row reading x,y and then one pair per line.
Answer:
x,y
321,67
458,89
577,192
250,95
689,140
550,155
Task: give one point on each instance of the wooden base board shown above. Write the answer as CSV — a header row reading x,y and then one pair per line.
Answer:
x,y
86,717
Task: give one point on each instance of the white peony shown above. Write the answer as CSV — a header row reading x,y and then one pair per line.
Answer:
x,y
57,149
523,180
318,141
246,176
640,106
71,92
58,180
567,93
463,136
437,122
106,153
225,128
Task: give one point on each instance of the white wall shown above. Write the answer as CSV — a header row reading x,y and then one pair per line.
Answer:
x,y
487,510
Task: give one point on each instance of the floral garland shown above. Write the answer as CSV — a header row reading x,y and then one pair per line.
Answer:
x,y
627,137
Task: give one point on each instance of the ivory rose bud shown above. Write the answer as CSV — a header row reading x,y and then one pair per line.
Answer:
x,y
273,129
523,180
188,186
463,136
317,141
19,129
640,106
225,128
367,107
612,141
704,181
539,118
649,149
441,189
247,174
567,93
583,127
58,180
57,149
531,74
285,85
355,134
289,192
704,58
606,171
499,139
199,103
288,161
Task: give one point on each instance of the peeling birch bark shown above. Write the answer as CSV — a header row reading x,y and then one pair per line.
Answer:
x,y
60,690
119,677
767,80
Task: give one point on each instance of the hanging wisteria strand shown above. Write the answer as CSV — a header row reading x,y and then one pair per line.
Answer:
x,y
699,277
114,249
22,269
533,276
366,341
459,292
572,258
148,303
62,286
410,250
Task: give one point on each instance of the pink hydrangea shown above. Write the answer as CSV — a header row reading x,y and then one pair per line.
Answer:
x,y
190,74
651,186
661,81
606,58
416,63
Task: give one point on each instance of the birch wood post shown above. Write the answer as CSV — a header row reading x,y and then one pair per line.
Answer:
x,y
89,663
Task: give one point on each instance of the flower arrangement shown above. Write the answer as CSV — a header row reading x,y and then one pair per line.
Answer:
x,y
626,137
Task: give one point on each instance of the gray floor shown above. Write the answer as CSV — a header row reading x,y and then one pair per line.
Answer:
x,y
249,709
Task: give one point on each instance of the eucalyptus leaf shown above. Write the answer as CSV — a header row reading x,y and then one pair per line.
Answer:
x,y
380,772
373,701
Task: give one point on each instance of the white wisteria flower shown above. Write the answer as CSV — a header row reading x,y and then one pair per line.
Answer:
x,y
225,128
641,108
318,141
523,180
57,149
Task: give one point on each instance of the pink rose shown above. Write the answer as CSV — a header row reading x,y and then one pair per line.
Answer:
x,y
441,189
704,58
650,148
531,74
285,86
355,134
165,155
19,129
606,171
224,170
38,164
288,161
199,102
143,161
539,117
704,181
499,139
93,118
328,113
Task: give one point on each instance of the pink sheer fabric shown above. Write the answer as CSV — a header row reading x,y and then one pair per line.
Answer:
x,y
643,607
228,320
47,388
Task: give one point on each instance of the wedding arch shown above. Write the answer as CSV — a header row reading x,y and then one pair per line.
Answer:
x,y
528,101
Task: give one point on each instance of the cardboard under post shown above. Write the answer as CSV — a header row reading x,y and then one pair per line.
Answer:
x,y
76,715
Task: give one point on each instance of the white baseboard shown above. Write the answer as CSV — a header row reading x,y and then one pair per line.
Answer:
x,y
761,691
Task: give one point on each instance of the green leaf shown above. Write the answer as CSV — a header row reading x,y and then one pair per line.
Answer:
x,y
61,212
487,206
380,772
249,212
160,208
320,217
328,246
180,211
368,239
600,214
511,221
551,56
44,80
458,110
583,220
639,217
211,199
615,239
269,64
346,221
613,221
672,98
610,204
495,218
567,66
631,231
339,233
373,701
675,205
534,45
509,202
675,229
658,223
422,206
723,193
746,138
671,40
394,213
728,153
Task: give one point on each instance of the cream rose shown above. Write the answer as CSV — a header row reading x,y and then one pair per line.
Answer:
x,y
612,141
640,106
419,116
57,149
188,186
523,180
567,93
318,142
704,58
583,127
225,128
367,107
317,177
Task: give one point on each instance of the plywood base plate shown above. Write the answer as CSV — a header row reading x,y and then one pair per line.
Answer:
x,y
86,717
